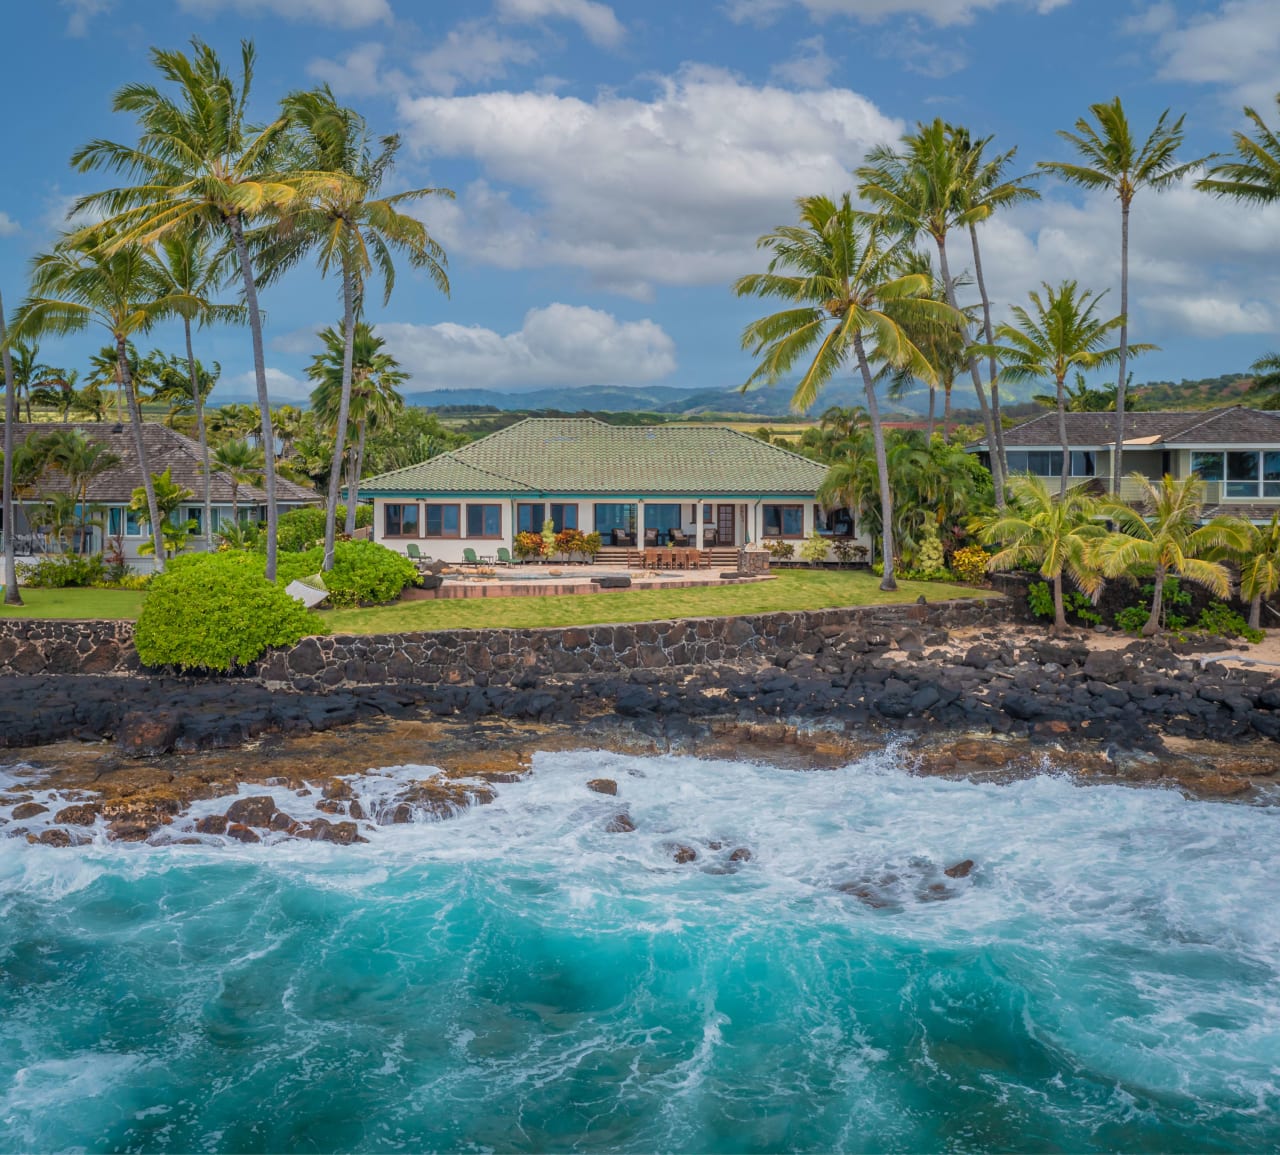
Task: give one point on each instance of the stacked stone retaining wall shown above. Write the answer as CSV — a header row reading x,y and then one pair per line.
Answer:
x,y
51,646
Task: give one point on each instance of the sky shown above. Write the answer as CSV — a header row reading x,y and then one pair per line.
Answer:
x,y
613,164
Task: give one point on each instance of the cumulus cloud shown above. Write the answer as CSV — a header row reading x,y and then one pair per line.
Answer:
x,y
596,20
8,226
339,13
81,12
360,72
940,12
808,66
673,189
281,387
558,345
474,52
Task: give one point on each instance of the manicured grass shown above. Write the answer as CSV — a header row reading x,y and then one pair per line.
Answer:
x,y
76,603
789,590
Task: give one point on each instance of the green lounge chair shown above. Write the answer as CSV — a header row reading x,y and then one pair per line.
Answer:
x,y
504,556
415,554
469,556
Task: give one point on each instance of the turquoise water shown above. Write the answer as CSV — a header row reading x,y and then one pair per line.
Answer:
x,y
517,979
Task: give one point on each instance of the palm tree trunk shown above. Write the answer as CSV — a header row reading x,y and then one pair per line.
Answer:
x,y
993,371
235,502
946,410
11,595
1118,452
135,419
353,490
264,401
1255,612
1062,437
344,412
882,466
933,406
203,437
949,288
1059,609
1157,604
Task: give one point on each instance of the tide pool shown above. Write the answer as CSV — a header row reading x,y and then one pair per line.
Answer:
x,y
520,979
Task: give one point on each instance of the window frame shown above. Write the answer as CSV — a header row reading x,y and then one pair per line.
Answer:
x,y
482,507
401,506
428,506
781,535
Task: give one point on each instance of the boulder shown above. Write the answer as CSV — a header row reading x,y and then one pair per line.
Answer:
x,y
253,811
603,786
620,824
682,854
77,814
242,833
960,869
741,854
146,734
28,810
55,837
212,824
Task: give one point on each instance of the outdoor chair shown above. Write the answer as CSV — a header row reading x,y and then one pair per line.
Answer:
x,y
504,556
677,538
710,538
650,537
469,557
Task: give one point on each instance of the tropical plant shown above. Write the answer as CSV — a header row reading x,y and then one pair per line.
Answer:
x,y
1260,567
90,278
11,595
969,564
243,465
161,499
814,549
1253,174
527,545
1055,533
1112,158
1265,390
1162,536
837,276
81,461
1061,333
1081,397
30,375
201,168
364,572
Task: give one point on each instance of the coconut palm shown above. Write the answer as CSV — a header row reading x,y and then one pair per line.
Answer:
x,y
352,231
104,373
1265,390
1253,174
1162,534
1062,332
1056,532
58,392
243,464
30,375
1112,158
186,264
1260,567
926,189
1081,397
839,279
11,595
80,461
200,167
90,279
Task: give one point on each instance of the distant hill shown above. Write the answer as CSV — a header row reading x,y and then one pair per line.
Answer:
x,y
1207,393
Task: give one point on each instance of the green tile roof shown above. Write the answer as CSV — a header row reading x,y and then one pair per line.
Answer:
x,y
546,455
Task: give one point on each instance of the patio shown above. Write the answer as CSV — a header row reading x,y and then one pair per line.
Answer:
x,y
530,580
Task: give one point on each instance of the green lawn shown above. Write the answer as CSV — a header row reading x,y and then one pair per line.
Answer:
x,y
76,603
789,590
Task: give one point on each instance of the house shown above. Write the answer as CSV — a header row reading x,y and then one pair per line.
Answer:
x,y
112,490
1235,451
633,485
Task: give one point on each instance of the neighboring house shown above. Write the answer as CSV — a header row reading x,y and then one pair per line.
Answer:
x,y
1235,451
109,494
634,485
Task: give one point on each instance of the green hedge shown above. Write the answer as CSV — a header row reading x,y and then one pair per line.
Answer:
x,y
216,612
300,529
364,572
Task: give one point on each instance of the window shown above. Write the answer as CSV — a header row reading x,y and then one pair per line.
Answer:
x,y
196,513
1083,463
610,517
1207,465
118,514
564,517
834,522
663,518
443,521
708,514
1242,474
783,520
484,521
529,517
400,520
1271,474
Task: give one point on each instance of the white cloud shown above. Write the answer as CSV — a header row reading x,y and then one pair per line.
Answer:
x,y
674,189
940,12
8,226
80,12
1237,46
359,73
472,53
559,345
340,13
597,21
281,387
808,66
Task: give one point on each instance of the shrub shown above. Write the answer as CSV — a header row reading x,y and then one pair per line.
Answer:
x,y
528,545
847,551
363,572
302,529
970,564
929,557
814,549
780,550
126,581
56,573
1075,603
1131,619
217,612
1222,621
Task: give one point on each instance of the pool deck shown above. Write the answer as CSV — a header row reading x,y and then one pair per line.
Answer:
x,y
552,581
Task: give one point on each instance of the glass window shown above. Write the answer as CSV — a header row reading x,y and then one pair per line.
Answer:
x,y
564,517
132,523
1242,474
1207,465
611,517
783,520
400,520
1083,463
708,514
484,521
530,516
443,521
662,519
1271,474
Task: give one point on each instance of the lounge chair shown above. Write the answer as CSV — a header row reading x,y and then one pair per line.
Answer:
x,y
469,556
413,552
650,538
677,538
504,556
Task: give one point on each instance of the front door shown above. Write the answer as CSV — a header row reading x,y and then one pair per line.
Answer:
x,y
726,530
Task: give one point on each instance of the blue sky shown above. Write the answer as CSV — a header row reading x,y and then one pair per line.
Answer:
x,y
614,163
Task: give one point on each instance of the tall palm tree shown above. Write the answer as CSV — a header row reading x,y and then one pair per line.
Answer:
x,y
1056,532
1081,398
925,189
187,265
11,595
243,464
91,279
1162,535
1260,567
1060,333
29,373
57,391
1253,175
104,373
1112,158
1265,390
200,166
373,396
985,188
838,278
352,231
80,461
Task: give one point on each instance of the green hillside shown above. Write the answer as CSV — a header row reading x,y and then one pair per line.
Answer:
x,y
1207,393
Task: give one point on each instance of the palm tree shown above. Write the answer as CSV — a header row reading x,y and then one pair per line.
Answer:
x,y
351,229
1061,333
186,264
166,497
89,401
1253,175
1265,390
29,374
838,279
199,166
243,464
11,595
1056,532
372,397
80,461
57,391
1081,397
1163,534
90,279
927,189
104,373
1111,158
1260,567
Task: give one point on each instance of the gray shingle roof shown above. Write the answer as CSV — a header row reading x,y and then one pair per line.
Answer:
x,y
546,455
166,449
1232,426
